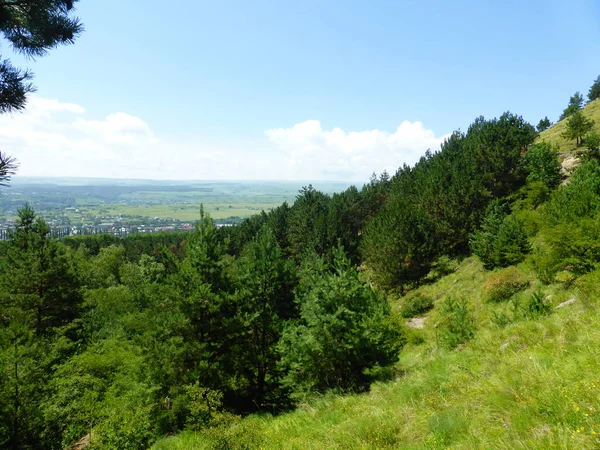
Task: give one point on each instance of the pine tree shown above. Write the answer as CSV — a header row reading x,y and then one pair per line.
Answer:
x,y
578,126
575,104
32,27
594,92
543,124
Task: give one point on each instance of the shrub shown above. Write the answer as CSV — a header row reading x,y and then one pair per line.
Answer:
x,y
458,325
536,306
503,284
537,193
573,248
416,305
203,406
501,319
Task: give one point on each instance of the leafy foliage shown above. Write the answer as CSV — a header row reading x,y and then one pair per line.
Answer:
x,y
541,164
501,241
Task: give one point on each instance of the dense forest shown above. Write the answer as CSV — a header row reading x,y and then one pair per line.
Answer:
x,y
126,340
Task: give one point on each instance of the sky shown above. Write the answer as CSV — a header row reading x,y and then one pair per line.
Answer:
x,y
289,90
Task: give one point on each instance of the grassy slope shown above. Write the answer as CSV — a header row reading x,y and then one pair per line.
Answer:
x,y
532,384
553,134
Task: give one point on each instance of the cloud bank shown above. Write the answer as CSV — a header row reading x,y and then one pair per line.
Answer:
x,y
356,154
53,138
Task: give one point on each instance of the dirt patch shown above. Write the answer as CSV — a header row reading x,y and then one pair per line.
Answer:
x,y
416,322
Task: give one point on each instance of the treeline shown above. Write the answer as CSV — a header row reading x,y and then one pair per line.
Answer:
x,y
125,340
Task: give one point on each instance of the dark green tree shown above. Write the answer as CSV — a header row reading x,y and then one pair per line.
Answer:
x,y
543,124
308,222
541,163
265,301
343,334
594,92
575,104
501,241
578,126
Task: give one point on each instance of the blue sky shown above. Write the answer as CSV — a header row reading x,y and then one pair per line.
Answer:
x,y
292,90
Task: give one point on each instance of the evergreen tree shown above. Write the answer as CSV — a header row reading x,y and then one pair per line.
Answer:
x,y
594,92
265,300
575,104
543,124
32,27
343,333
578,126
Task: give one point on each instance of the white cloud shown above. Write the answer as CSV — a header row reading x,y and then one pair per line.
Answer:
x,y
118,128
316,153
52,138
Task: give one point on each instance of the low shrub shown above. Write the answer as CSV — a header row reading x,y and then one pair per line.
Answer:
x,y
534,306
416,305
458,324
503,284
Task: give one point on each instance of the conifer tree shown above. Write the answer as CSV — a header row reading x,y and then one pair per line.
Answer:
x,y
32,27
594,92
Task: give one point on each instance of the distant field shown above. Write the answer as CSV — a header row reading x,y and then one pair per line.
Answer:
x,y
180,200
184,212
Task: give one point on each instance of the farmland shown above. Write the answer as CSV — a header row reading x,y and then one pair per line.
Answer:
x,y
71,201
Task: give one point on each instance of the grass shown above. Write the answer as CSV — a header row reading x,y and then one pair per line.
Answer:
x,y
553,135
523,384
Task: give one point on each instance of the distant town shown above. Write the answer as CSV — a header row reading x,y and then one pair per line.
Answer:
x,y
62,225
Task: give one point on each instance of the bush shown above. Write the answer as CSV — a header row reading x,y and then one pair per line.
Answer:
x,y
573,248
503,284
534,307
416,305
458,325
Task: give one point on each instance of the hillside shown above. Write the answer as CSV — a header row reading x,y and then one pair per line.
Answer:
x,y
532,383
553,135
